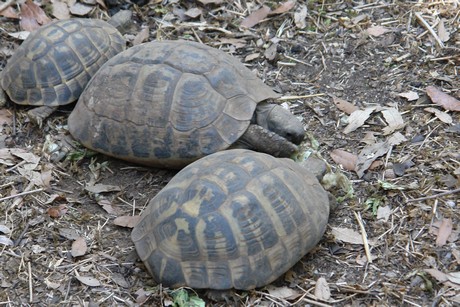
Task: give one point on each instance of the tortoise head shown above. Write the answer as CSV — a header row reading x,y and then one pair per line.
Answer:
x,y
279,120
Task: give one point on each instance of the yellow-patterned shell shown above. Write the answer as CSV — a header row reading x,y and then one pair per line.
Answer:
x,y
167,103
234,219
54,64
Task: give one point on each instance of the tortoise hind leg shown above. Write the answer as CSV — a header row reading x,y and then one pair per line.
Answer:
x,y
37,115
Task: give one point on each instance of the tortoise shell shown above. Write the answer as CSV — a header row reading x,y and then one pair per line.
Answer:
x,y
54,64
167,104
234,219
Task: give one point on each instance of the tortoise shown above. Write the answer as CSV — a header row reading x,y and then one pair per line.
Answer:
x,y
168,103
53,65
234,219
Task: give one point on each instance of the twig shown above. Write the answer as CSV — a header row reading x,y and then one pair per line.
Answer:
x,y
429,28
434,196
21,194
299,97
31,292
364,235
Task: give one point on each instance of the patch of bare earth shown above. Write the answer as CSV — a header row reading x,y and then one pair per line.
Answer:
x,y
356,72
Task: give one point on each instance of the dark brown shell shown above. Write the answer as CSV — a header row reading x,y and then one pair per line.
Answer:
x,y
234,219
54,64
167,104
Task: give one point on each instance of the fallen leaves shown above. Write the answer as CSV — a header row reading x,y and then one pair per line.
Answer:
x,y
451,279
57,211
79,247
32,16
444,232
344,105
377,30
127,221
262,13
358,118
348,235
322,290
255,17
444,100
88,281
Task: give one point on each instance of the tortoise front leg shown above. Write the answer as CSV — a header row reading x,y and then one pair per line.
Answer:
x,y
263,140
37,115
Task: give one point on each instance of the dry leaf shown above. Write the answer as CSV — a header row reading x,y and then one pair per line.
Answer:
x,y
410,96
6,241
444,100
396,139
32,16
344,105
89,281
68,233
60,10
283,292
369,154
443,34
377,30
438,275
193,12
57,211
344,158
357,119
51,284
108,207
79,247
100,188
322,290
80,9
6,117
142,36
271,52
454,277
300,17
9,12
255,17
4,229
444,232
456,254
127,221
369,138
283,8
383,213
252,57
442,116
21,35
347,235
237,42
143,296
393,119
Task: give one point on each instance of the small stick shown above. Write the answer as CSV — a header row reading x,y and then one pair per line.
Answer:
x,y
364,235
434,196
31,296
21,194
299,97
429,28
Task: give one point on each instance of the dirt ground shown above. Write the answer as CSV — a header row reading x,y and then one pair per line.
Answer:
x,y
395,242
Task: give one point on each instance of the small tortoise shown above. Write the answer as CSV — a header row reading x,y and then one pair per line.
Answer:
x,y
53,65
168,103
234,219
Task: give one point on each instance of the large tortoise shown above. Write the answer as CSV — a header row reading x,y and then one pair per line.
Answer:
x,y
168,103
234,219
53,65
